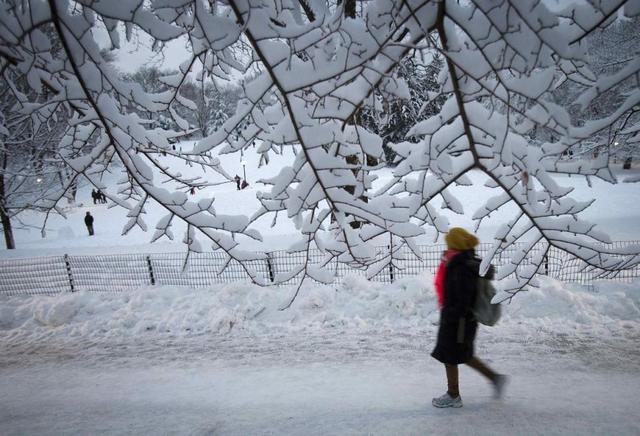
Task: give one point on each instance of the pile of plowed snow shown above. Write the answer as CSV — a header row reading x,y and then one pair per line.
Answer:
x,y
356,304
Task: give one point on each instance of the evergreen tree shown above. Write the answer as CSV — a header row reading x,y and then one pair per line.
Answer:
x,y
392,116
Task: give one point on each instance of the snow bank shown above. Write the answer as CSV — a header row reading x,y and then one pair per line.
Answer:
x,y
356,304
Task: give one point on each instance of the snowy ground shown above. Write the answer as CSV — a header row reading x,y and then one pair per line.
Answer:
x,y
352,359
616,210
341,395
345,359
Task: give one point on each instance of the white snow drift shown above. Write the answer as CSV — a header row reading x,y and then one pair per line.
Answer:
x,y
408,304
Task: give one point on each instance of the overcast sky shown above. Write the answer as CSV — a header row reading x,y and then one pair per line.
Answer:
x,y
135,53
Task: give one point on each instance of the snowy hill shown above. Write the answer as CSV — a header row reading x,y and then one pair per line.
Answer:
x,y
618,214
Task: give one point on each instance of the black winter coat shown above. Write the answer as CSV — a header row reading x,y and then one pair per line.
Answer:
x,y
458,327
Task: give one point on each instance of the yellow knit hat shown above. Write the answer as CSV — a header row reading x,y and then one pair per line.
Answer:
x,y
459,239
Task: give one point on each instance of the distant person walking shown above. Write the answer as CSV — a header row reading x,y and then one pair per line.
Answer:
x,y
455,285
237,179
88,221
101,197
94,195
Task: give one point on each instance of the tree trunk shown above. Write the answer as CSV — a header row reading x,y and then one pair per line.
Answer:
x,y
4,218
350,8
7,230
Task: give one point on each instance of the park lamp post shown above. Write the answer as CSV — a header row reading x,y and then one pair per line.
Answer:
x,y
244,169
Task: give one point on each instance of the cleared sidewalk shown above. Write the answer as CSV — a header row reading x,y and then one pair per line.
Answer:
x,y
290,393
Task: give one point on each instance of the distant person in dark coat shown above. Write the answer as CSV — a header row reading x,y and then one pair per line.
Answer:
x,y
94,195
88,221
456,282
101,197
237,179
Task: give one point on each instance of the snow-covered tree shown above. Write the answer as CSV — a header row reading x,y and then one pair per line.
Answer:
x,y
395,116
308,69
214,104
30,169
607,51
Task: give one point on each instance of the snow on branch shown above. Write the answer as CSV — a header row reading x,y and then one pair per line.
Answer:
x,y
438,89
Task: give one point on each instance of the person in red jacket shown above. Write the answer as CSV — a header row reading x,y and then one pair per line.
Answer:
x,y
455,284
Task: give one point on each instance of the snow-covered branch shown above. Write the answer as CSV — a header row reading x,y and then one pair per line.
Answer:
x,y
512,88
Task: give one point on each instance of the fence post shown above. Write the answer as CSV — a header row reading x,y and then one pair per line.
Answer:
x,y
153,279
270,268
390,247
546,265
68,265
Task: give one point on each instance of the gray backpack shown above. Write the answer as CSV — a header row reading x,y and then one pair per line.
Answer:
x,y
483,310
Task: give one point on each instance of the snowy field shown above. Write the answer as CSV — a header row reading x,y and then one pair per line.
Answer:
x,y
617,210
346,360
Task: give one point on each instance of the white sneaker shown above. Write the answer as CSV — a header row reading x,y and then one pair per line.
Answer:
x,y
447,401
499,385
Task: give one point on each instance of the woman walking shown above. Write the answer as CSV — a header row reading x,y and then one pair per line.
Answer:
x,y
456,289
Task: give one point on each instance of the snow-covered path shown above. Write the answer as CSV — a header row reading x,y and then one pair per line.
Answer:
x,y
353,383
350,359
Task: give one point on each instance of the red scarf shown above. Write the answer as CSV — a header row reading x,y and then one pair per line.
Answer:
x,y
439,282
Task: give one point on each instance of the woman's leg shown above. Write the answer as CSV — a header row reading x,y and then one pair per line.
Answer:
x,y
452,380
499,381
482,368
452,397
